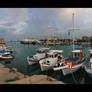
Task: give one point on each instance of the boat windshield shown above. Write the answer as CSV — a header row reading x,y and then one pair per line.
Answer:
x,y
76,54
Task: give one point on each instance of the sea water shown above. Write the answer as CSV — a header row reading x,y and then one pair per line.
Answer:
x,y
21,51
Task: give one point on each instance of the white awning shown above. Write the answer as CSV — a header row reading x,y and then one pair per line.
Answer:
x,y
76,51
90,50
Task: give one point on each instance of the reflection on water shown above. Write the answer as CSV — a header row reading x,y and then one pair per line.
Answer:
x,y
20,62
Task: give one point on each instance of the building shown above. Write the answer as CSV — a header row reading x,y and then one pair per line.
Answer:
x,y
85,39
1,41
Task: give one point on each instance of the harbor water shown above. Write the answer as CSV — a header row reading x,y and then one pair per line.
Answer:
x,y
21,51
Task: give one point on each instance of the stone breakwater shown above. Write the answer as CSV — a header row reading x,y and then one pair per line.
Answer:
x,y
12,76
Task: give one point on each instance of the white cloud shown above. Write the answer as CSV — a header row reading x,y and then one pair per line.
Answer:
x,y
14,20
18,21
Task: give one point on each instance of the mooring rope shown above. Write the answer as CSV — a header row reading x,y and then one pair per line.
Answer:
x,y
73,77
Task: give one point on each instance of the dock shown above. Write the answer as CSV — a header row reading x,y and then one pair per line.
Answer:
x,y
8,76
38,79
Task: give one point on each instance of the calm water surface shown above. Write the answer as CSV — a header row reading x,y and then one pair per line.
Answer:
x,y
20,62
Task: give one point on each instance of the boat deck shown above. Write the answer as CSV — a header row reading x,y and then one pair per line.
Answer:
x,y
89,66
78,61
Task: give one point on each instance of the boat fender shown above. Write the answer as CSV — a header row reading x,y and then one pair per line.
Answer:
x,y
69,64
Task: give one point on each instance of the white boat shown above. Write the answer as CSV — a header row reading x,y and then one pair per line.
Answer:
x,y
53,59
88,64
75,62
41,54
9,49
30,41
41,50
35,58
5,56
6,48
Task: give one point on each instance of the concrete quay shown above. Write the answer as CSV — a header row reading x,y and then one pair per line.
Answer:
x,y
9,76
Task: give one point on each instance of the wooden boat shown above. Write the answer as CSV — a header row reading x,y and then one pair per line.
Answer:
x,y
6,49
42,50
72,63
88,65
53,59
9,49
41,54
5,56
35,58
4,52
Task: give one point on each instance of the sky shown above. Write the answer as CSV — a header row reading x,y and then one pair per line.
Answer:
x,y
20,23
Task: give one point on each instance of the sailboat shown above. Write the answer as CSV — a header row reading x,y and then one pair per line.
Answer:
x,y
74,62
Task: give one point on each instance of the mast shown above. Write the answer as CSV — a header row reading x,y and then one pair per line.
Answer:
x,y
73,30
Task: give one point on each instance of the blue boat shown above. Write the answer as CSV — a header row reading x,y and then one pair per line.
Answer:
x,y
73,63
88,65
5,55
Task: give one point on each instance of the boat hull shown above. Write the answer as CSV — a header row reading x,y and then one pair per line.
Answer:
x,y
45,67
32,62
5,56
89,73
67,71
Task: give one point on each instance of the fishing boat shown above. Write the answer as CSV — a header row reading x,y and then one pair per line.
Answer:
x,y
35,58
72,63
53,59
5,56
4,52
41,54
9,49
6,48
88,64
42,50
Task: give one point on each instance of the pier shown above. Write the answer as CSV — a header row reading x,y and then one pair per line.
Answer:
x,y
11,76
7,74
38,79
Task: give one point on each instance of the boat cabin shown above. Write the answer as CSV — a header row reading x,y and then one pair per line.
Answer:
x,y
76,58
77,54
54,53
